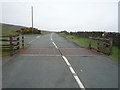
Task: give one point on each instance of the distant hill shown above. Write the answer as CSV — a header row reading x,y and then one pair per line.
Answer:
x,y
8,29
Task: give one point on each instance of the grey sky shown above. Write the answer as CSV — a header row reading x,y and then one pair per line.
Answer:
x,y
70,15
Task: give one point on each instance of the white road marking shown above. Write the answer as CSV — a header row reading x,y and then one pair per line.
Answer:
x,y
74,74
71,69
53,42
79,82
55,45
66,60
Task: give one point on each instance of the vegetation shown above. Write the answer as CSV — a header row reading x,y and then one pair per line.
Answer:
x,y
29,30
115,53
84,43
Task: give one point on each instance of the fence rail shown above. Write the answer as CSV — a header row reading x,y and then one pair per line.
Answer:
x,y
13,43
103,45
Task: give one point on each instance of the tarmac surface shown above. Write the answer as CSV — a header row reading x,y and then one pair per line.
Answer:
x,y
51,61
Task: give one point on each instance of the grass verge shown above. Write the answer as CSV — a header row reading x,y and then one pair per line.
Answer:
x,y
84,43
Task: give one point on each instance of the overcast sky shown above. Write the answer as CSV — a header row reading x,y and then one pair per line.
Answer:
x,y
70,15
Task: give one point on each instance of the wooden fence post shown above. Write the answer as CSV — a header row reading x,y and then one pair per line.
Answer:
x,y
110,48
11,46
22,41
18,43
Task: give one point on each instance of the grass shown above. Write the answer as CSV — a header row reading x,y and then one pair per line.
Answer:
x,y
8,29
84,42
115,53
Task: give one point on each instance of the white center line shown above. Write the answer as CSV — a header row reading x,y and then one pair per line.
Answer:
x,y
71,69
55,45
74,74
66,60
79,82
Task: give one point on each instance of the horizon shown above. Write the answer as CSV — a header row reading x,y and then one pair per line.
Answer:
x,y
63,30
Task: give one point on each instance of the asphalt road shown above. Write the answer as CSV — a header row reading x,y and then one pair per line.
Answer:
x,y
51,61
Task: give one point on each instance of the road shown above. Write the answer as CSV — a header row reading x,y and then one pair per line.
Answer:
x,y
52,61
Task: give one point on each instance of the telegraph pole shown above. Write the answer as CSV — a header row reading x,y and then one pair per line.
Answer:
x,y
32,17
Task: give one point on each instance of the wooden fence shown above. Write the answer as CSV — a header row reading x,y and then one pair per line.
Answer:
x,y
114,35
12,43
103,45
